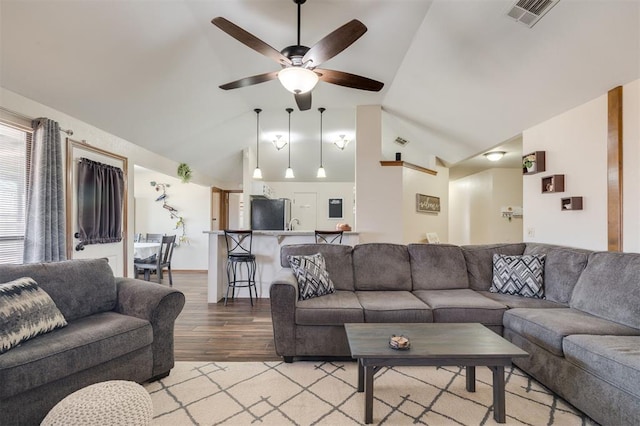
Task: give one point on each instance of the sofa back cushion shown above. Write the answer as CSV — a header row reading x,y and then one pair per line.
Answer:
x,y
479,259
338,261
609,287
437,267
562,268
381,266
78,287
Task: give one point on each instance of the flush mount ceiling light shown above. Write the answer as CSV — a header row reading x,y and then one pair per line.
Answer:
x,y
257,173
289,173
279,143
494,155
321,172
298,80
341,143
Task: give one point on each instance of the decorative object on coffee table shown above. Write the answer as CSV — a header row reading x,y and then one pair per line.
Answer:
x,y
399,343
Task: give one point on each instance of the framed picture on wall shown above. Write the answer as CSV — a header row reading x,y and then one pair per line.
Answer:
x,y
335,208
427,204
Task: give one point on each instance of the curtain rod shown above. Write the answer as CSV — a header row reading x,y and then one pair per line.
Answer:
x,y
69,132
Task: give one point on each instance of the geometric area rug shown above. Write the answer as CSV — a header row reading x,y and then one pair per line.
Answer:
x,y
324,393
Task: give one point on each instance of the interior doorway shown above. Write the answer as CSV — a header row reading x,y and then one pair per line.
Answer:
x,y
227,209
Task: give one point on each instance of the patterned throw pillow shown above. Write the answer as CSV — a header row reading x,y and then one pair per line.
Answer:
x,y
518,275
311,273
26,311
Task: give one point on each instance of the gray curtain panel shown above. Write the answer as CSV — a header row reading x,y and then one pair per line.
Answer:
x,y
45,231
100,197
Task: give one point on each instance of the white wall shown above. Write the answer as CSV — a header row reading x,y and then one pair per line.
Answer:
x,y
416,225
475,204
324,191
101,139
192,202
379,194
576,146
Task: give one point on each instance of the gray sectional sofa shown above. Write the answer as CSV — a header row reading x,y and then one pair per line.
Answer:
x,y
118,329
583,338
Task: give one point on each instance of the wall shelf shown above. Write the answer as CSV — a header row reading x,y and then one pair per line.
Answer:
x,y
552,184
538,160
409,165
571,203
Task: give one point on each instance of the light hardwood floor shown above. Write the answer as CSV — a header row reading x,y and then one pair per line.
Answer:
x,y
214,332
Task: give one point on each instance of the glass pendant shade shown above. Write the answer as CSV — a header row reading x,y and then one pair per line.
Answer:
x,y
297,79
321,173
289,173
257,173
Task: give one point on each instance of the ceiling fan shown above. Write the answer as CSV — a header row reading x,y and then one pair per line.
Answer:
x,y
299,73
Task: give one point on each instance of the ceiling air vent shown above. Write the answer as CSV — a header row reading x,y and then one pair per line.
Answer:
x,y
401,141
530,11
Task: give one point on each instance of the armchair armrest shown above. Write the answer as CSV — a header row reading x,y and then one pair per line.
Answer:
x,y
283,295
160,306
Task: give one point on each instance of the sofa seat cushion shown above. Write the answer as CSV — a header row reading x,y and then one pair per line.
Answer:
x,y
332,309
613,359
548,327
512,301
393,306
83,344
462,305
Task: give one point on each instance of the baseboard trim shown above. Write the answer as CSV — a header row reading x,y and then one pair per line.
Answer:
x,y
190,271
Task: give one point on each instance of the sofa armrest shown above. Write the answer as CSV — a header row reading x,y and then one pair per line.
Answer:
x,y
160,306
283,295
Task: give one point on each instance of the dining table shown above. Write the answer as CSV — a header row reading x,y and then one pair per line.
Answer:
x,y
144,250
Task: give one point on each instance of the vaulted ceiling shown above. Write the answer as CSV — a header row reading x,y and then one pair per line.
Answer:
x,y
460,76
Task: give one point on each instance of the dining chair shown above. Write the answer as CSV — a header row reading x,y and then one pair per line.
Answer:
x,y
329,237
153,238
137,238
163,260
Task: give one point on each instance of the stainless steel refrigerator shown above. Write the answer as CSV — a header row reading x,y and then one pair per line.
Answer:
x,y
267,214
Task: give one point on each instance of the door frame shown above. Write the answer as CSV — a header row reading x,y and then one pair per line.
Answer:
x,y
223,213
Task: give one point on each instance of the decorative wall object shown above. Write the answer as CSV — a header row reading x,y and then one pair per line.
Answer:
x,y
184,172
173,212
335,208
427,204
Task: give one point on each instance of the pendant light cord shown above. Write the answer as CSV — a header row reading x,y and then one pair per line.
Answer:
x,y
321,112
258,111
289,110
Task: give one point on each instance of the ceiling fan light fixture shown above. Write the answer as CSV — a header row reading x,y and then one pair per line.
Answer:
x,y
298,80
341,143
494,155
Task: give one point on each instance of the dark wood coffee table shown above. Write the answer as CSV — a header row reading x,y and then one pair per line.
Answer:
x,y
440,344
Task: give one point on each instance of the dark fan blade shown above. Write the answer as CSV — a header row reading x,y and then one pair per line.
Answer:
x,y
349,80
335,42
250,40
248,81
303,100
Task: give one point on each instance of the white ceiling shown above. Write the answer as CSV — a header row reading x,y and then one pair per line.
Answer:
x,y
461,74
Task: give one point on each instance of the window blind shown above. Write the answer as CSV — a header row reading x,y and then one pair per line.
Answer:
x,y
15,144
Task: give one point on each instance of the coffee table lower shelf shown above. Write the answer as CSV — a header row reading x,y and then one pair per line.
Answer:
x,y
468,345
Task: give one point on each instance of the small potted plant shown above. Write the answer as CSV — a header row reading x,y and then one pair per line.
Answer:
x,y
529,163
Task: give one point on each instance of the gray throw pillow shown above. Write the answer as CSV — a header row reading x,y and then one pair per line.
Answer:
x,y
518,275
26,311
311,273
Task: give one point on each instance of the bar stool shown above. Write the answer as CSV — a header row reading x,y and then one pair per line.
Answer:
x,y
329,237
239,254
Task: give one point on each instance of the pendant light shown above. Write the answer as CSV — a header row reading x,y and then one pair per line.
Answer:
x,y
289,173
257,173
321,172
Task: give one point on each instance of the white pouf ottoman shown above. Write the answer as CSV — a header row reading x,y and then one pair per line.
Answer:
x,y
116,402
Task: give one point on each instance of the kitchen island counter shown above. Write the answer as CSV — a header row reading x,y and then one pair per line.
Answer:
x,y
266,247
